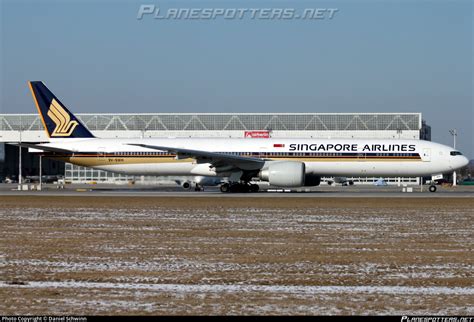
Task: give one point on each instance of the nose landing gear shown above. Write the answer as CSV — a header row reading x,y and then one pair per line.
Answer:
x,y
432,188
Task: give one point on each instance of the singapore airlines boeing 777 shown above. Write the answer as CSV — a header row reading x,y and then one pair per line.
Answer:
x,y
283,162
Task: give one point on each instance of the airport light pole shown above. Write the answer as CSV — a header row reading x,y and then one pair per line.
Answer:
x,y
454,133
20,178
41,172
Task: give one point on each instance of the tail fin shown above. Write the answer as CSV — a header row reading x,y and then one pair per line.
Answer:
x,y
57,120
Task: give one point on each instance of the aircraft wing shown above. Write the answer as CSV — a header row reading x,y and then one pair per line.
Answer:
x,y
44,148
216,159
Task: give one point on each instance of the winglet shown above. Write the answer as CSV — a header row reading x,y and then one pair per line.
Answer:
x,y
57,120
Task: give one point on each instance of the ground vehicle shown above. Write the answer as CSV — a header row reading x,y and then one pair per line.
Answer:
x,y
467,182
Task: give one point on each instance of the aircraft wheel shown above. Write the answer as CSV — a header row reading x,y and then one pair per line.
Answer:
x,y
432,188
254,188
238,187
234,188
225,187
245,188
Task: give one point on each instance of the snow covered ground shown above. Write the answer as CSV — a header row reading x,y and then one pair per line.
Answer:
x,y
341,259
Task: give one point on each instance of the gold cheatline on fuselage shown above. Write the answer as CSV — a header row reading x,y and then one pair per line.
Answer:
x,y
91,160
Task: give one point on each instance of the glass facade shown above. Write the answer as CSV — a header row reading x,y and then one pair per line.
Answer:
x,y
229,122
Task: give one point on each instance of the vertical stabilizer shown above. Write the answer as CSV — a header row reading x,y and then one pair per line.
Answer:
x,y
57,120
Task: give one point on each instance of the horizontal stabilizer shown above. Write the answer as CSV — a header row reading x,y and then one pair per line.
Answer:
x,y
43,148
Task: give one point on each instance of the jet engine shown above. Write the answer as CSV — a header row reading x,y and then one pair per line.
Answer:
x,y
186,185
284,173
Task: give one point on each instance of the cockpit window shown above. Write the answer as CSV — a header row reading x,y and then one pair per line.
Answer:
x,y
455,153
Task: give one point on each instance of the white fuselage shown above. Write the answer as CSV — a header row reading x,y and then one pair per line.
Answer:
x,y
324,157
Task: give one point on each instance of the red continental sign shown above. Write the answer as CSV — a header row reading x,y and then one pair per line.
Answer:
x,y
257,134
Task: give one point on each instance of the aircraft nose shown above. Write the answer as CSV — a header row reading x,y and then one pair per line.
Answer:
x,y
464,161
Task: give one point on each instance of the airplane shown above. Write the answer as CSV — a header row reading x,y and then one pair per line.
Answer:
x,y
282,162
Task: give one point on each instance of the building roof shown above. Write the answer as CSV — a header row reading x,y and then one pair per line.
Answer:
x,y
229,122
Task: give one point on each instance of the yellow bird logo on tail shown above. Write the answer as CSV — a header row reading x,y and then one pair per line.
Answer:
x,y
64,125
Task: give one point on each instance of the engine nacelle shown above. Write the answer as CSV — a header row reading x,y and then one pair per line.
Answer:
x,y
186,185
311,180
284,173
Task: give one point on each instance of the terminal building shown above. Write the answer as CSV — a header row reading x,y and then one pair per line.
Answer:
x,y
28,128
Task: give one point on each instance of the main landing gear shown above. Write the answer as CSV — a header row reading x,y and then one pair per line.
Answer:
x,y
239,187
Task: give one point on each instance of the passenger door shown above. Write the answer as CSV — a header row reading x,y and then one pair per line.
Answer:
x,y
101,153
426,157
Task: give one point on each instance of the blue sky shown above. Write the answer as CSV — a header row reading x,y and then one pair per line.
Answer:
x,y
373,56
